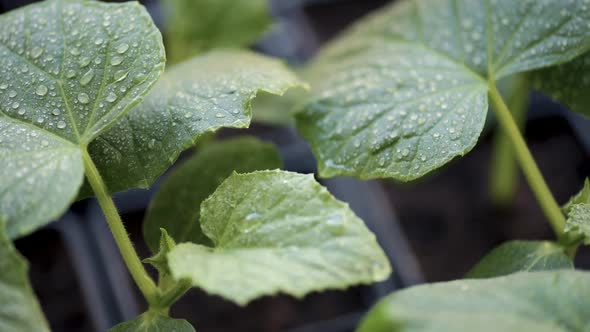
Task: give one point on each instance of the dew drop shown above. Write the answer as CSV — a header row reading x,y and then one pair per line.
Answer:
x,y
251,221
111,97
335,225
15,105
36,52
3,86
75,51
83,98
86,78
40,119
12,94
70,73
120,75
405,152
122,48
84,62
116,60
56,112
22,111
45,143
41,90
61,125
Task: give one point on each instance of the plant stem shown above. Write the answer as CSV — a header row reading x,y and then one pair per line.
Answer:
x,y
134,264
174,293
530,169
504,169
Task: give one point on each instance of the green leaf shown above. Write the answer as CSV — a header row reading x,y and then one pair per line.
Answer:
x,y
159,260
578,222
518,256
176,206
276,231
583,197
195,26
68,70
568,83
551,301
578,215
19,310
405,90
154,322
196,97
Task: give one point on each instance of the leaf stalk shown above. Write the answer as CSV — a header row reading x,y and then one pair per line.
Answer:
x,y
130,257
529,167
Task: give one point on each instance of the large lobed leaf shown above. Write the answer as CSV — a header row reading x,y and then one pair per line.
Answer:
x,y
534,301
19,310
405,90
276,231
176,205
68,70
521,256
201,95
195,26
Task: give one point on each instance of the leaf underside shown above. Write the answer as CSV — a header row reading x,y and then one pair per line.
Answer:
x,y
19,310
196,97
405,90
176,205
568,83
551,301
68,70
521,256
275,231
195,26
151,322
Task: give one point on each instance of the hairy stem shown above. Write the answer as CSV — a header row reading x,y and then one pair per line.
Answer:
x,y
174,293
136,268
530,169
504,169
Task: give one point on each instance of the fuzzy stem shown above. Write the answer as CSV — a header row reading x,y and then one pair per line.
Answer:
x,y
136,268
530,169
504,168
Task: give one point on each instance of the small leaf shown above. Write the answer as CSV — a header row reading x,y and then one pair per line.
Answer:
x,y
578,222
61,63
404,91
521,256
19,310
276,231
154,322
195,26
160,261
196,97
578,215
568,83
583,197
176,206
550,301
